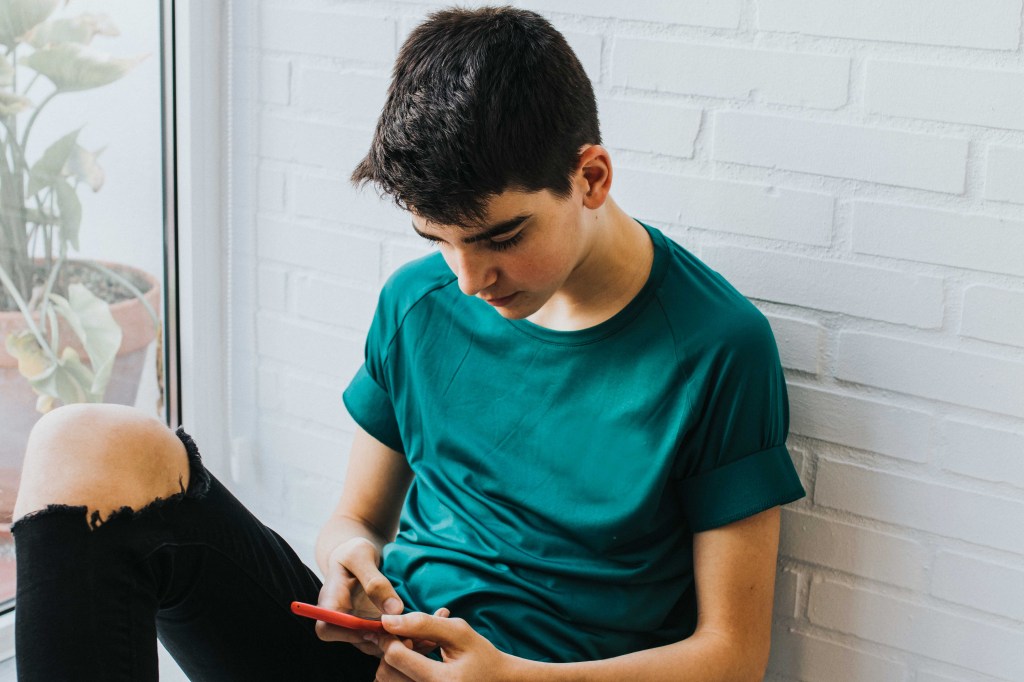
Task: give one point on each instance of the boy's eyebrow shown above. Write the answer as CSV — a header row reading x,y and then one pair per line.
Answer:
x,y
492,231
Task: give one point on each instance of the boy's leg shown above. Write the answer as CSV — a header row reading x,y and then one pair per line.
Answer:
x,y
94,590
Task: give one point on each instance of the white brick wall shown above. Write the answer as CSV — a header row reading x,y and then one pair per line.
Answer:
x,y
856,168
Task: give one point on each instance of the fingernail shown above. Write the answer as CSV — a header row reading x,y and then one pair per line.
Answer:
x,y
392,605
389,620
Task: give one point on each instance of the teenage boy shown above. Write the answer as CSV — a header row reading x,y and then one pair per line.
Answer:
x,y
575,426
571,445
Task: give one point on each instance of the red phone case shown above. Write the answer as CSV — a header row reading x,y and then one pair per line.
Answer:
x,y
345,620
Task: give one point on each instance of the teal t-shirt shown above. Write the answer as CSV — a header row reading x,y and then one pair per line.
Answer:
x,y
560,475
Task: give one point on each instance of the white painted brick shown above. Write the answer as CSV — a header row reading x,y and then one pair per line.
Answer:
x,y
588,48
738,207
799,79
786,585
402,252
313,144
649,126
271,189
982,452
888,295
273,288
268,388
356,98
941,509
719,14
984,97
297,447
799,342
327,301
872,425
275,81
958,239
889,157
919,629
809,659
957,377
331,34
988,24
861,551
302,345
337,200
313,399
984,585
993,314
311,498
312,248
1004,174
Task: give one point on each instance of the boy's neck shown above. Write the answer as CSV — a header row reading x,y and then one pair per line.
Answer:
x,y
609,275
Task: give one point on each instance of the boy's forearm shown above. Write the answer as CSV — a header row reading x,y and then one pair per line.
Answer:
x,y
700,658
339,529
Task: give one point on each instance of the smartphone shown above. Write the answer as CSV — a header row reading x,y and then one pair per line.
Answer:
x,y
345,620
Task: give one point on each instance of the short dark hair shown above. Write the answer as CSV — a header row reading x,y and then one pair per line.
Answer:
x,y
481,101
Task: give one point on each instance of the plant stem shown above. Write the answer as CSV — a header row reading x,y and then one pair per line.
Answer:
x,y
32,119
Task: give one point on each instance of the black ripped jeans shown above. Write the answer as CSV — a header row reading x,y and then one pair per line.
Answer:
x,y
197,570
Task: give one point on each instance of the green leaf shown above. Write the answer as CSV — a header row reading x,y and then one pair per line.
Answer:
x,y
70,212
18,17
22,346
48,169
11,104
82,165
81,29
76,67
91,320
67,379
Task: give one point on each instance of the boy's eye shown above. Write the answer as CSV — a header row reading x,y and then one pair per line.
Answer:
x,y
506,243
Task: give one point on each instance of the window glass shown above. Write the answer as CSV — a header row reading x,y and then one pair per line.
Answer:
x,y
82,247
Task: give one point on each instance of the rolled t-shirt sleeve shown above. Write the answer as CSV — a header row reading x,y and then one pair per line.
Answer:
x,y
367,396
736,461
370,406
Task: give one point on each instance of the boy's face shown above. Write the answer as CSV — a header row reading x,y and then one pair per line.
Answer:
x,y
524,254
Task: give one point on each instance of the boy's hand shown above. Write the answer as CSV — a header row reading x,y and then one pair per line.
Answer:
x,y
467,654
353,582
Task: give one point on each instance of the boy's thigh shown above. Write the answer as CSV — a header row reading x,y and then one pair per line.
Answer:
x,y
226,585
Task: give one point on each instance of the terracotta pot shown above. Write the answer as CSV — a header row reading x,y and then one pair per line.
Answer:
x,y
17,399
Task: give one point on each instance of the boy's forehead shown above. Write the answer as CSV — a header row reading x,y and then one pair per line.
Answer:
x,y
501,210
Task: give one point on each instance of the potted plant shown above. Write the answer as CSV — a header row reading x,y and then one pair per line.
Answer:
x,y
63,321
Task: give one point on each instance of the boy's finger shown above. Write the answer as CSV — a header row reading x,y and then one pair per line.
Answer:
x,y
410,663
363,566
448,632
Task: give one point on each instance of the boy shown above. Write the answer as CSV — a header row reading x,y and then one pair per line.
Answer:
x,y
571,437
565,394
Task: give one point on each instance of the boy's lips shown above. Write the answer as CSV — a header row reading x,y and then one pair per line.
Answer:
x,y
501,302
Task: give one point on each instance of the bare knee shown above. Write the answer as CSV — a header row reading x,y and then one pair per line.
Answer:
x,y
102,456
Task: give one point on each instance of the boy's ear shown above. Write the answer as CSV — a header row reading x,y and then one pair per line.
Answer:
x,y
594,171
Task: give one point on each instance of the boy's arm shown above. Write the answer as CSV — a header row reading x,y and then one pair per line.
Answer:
x,y
371,500
734,570
349,545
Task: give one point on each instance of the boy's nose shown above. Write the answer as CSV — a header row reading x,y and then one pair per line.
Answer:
x,y
475,274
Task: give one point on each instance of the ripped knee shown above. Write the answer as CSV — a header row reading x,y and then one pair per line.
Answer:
x,y
197,487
